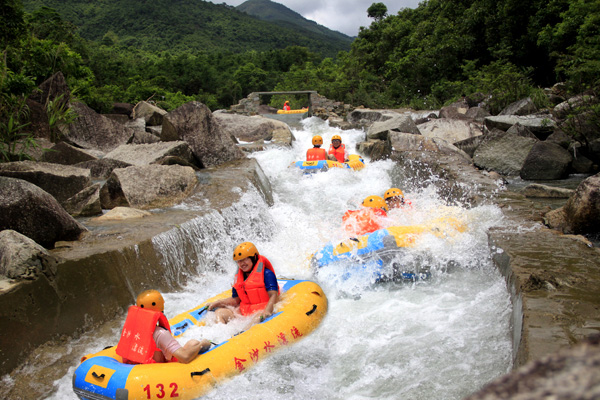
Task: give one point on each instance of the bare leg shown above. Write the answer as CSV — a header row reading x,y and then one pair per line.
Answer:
x,y
224,315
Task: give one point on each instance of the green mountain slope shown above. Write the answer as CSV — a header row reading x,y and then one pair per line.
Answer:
x,y
178,25
268,10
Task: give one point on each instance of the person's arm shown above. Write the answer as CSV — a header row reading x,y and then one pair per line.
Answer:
x,y
268,310
190,350
230,301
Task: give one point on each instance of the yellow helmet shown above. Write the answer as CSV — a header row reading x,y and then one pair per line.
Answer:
x,y
244,250
151,300
336,137
317,140
393,192
375,202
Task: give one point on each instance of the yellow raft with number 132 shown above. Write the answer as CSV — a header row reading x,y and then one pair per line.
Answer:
x,y
103,375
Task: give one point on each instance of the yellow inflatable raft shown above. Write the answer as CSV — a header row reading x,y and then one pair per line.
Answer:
x,y
103,375
302,111
354,162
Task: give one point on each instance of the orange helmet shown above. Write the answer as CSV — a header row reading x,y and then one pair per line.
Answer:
x,y
393,192
244,250
317,140
151,300
336,137
375,202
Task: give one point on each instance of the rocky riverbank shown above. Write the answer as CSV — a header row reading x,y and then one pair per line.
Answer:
x,y
77,283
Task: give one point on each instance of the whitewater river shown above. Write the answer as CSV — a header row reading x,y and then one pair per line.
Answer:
x,y
441,338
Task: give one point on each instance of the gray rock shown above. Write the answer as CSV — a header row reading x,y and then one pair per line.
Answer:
x,y
147,187
61,181
477,114
582,210
546,161
401,142
122,214
251,129
503,153
521,107
451,130
143,138
582,165
541,126
91,130
85,203
545,191
520,130
470,145
399,123
29,210
51,88
138,125
559,137
563,109
194,123
64,153
22,258
152,115
364,117
145,154
102,168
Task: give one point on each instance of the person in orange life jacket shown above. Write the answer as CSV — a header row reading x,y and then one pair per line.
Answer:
x,y
255,290
337,150
394,198
369,218
316,153
286,105
146,336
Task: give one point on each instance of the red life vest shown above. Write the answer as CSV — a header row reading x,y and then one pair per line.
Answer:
x,y
286,107
316,154
339,153
136,345
363,221
252,291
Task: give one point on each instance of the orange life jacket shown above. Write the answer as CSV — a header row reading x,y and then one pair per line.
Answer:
x,y
363,221
339,153
252,291
136,345
316,154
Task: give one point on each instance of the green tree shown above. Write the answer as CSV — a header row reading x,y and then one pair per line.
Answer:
x,y
377,11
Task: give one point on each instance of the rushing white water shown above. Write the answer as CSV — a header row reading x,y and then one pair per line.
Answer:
x,y
441,338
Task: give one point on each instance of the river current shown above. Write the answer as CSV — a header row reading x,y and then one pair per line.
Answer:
x,y
438,338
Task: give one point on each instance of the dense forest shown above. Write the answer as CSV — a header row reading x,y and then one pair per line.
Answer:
x,y
421,58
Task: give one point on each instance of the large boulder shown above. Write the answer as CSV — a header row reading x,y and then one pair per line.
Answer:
x,y
546,161
29,210
581,213
61,181
91,130
22,258
51,89
504,153
85,203
145,154
39,124
451,130
194,123
64,153
541,126
406,142
147,187
521,107
399,123
364,117
151,114
102,168
251,129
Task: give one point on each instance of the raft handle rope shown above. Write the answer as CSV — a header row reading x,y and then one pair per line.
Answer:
x,y
199,373
314,308
95,375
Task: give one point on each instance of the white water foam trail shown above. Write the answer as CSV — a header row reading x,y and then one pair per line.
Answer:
x,y
441,338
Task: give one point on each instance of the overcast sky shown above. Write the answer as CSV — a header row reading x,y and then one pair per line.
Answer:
x,y
345,16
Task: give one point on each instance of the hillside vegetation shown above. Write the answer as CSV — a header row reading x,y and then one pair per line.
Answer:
x,y
187,25
180,50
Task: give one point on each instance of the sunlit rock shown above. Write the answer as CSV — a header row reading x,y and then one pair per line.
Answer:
x,y
22,258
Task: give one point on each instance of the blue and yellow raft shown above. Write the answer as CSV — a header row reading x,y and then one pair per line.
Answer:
x,y
354,162
376,250
104,376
